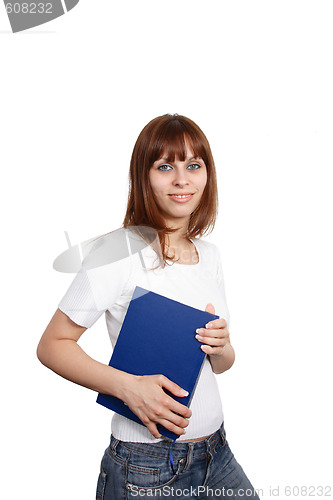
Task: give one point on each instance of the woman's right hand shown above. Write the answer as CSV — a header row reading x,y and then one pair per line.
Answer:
x,y
146,398
58,349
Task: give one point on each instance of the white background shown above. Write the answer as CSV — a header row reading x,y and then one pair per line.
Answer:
x,y
74,94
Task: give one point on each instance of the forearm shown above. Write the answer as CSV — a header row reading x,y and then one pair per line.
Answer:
x,y
144,395
66,358
222,362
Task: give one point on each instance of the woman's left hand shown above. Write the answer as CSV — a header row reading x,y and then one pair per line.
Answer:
x,y
215,336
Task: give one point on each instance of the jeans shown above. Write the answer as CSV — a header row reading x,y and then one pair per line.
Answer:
x,y
205,469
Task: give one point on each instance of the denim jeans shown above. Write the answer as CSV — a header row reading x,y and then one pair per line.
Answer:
x,y
205,469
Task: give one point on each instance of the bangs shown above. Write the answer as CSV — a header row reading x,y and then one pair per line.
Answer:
x,y
173,138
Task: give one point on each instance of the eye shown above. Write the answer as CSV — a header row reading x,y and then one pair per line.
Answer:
x,y
164,168
193,166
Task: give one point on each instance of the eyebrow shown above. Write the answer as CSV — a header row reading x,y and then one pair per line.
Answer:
x,y
186,159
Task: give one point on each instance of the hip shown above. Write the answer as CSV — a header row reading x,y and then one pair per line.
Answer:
x,y
130,469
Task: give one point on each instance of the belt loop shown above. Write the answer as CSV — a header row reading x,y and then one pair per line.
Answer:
x,y
114,444
222,434
189,456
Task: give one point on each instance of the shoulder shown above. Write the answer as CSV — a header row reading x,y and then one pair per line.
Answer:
x,y
206,247
210,254
107,260
111,249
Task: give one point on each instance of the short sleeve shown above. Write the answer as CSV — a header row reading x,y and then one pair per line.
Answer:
x,y
95,290
79,302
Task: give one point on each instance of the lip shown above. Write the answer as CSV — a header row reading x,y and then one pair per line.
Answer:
x,y
176,197
179,194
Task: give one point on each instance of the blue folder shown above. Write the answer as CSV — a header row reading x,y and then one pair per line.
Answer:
x,y
158,337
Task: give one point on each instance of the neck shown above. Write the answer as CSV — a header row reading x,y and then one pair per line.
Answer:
x,y
177,238
181,250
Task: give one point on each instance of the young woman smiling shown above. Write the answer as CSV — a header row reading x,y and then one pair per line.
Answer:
x,y
172,190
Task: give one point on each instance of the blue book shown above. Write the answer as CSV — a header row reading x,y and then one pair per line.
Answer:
x,y
158,337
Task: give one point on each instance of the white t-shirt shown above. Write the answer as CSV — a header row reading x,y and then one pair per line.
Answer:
x,y
108,289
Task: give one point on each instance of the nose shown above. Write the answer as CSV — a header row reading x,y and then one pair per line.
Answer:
x,y
180,178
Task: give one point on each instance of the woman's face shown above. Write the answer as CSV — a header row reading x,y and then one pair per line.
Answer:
x,y
178,187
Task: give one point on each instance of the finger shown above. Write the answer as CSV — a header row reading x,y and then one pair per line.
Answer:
x,y
172,387
214,342
175,419
210,308
211,351
217,333
162,415
217,323
152,427
167,407
178,408
172,427
150,424
166,402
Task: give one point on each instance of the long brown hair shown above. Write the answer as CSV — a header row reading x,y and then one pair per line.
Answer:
x,y
166,136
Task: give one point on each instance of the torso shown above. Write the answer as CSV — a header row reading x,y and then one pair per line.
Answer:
x,y
193,285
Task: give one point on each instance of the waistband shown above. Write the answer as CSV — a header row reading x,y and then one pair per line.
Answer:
x,y
162,449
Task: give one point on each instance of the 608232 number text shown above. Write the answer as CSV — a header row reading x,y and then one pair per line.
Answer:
x,y
29,8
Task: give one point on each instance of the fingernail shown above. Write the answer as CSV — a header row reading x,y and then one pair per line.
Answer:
x,y
198,337
199,330
184,393
209,325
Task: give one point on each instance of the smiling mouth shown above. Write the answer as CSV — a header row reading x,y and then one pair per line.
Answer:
x,y
181,197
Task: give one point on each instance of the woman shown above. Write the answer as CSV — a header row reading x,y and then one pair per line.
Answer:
x,y
172,190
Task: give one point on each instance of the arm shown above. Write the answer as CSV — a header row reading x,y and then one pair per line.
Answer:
x,y
224,361
215,339
58,350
